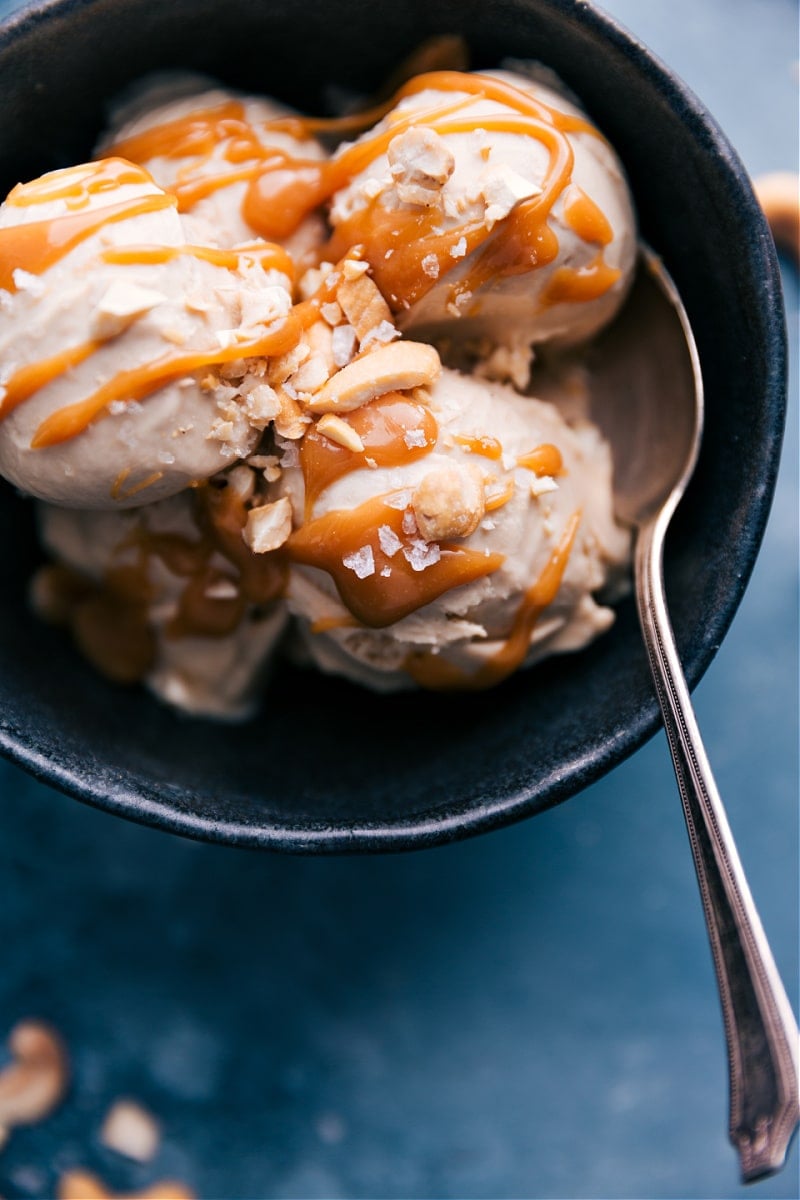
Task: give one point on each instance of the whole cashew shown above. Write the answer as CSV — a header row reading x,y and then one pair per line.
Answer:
x,y
33,1084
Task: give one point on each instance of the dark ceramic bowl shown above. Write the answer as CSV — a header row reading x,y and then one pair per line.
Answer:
x,y
327,767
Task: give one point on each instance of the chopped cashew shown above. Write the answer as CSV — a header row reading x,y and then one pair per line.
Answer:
x,y
340,432
121,304
421,164
449,502
397,366
83,1185
362,303
290,420
268,526
34,1083
130,1130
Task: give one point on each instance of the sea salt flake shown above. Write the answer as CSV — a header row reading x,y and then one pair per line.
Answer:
x,y
415,438
430,265
421,554
386,572
361,562
409,522
389,541
164,456
400,500
460,248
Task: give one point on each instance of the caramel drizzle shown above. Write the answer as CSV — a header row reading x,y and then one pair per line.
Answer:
x,y
109,620
266,254
28,380
385,426
283,190
482,444
434,672
139,382
39,245
394,589
545,459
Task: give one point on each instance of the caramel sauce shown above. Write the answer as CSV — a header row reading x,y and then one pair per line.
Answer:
x,y
383,426
435,673
498,499
381,599
27,380
283,190
581,284
41,244
138,382
484,445
543,460
586,218
109,620
269,256
77,185
325,624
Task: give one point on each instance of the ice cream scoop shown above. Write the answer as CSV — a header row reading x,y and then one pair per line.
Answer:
x,y
169,595
127,352
489,207
211,147
463,533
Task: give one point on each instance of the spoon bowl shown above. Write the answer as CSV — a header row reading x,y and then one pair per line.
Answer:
x,y
646,395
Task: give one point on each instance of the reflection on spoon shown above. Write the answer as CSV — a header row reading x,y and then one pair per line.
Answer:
x,y
655,437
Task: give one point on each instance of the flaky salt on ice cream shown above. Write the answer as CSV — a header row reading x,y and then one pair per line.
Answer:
x,y
125,349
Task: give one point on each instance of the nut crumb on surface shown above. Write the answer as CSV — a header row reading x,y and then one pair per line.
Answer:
x,y
130,1130
268,526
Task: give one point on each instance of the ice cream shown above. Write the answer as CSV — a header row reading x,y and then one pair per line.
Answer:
x,y
125,349
275,414
216,150
489,207
169,595
467,538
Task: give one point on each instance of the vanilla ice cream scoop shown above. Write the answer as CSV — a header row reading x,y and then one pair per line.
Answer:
x,y
168,595
466,537
220,153
489,208
127,352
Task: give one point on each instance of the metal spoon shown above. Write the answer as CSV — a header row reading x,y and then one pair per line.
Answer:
x,y
649,404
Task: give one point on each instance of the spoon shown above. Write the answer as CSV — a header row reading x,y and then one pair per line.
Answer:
x,y
655,438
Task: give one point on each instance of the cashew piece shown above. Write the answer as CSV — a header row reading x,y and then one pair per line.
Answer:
x,y
32,1085
83,1185
393,368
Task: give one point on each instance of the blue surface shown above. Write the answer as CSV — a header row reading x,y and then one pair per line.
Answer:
x,y
530,1014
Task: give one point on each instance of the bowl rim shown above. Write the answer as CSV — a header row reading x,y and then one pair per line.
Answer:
x,y
430,827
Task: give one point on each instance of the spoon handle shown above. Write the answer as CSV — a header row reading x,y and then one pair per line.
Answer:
x,y
760,1029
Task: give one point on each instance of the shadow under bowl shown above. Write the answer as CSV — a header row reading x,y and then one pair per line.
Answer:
x,y
326,767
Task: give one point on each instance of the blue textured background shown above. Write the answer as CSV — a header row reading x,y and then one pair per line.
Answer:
x,y
530,1014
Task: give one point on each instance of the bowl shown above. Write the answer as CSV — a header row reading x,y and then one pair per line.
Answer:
x,y
325,767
